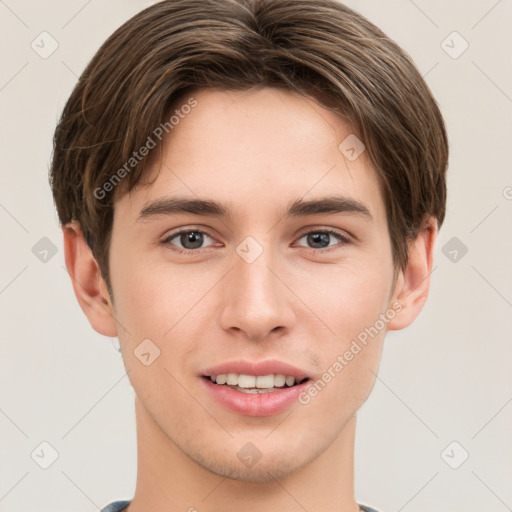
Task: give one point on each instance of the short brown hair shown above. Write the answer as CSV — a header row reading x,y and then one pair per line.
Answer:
x,y
320,48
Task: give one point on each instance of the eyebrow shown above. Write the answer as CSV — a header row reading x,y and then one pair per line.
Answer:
x,y
206,207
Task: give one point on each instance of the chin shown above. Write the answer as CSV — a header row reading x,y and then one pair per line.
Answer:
x,y
267,469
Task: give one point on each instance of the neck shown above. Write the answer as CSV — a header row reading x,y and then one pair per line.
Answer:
x,y
167,479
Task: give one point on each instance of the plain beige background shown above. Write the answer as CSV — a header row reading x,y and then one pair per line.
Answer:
x,y
444,389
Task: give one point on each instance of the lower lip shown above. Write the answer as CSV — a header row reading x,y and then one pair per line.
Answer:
x,y
255,404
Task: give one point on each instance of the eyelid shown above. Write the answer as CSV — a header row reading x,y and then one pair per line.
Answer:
x,y
186,230
167,238
326,229
344,238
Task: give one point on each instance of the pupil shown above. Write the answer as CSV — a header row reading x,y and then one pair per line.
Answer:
x,y
195,239
319,238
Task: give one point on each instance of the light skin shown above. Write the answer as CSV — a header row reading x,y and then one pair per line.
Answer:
x,y
301,301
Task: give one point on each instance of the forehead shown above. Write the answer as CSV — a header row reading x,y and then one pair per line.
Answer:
x,y
253,150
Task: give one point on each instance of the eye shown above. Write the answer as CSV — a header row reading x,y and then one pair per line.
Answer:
x,y
321,238
193,240
190,240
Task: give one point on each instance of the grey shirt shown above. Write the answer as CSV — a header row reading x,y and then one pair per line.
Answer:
x,y
118,506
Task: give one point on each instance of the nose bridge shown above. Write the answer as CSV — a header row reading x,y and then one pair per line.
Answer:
x,y
256,301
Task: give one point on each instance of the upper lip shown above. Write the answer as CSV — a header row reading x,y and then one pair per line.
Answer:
x,y
257,368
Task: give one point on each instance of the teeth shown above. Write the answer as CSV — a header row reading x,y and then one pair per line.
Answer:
x,y
251,381
265,381
232,379
246,381
221,379
279,381
290,381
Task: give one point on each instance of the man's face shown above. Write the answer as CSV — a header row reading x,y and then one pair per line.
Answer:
x,y
257,285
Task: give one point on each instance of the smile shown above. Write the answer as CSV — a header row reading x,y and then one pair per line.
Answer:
x,y
246,383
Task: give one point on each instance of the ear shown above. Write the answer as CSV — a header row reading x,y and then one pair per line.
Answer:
x,y
88,284
413,283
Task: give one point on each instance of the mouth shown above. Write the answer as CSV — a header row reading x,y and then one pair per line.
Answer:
x,y
255,384
255,388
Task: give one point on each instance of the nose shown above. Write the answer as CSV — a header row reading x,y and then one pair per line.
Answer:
x,y
256,300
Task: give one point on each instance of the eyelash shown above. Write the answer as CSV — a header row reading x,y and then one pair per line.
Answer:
x,y
343,240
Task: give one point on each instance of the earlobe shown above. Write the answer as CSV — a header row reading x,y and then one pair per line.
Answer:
x,y
413,282
88,284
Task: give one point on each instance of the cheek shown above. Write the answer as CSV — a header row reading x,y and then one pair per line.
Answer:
x,y
157,303
150,297
347,297
350,300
